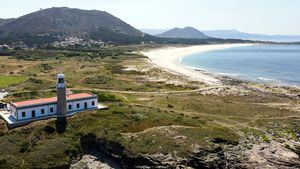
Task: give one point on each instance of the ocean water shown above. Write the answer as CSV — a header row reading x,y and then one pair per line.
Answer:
x,y
275,64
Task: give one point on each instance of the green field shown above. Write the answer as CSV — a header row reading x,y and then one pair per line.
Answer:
x,y
8,80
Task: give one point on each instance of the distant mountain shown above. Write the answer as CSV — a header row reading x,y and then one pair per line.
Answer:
x,y
54,23
154,31
5,21
235,34
187,32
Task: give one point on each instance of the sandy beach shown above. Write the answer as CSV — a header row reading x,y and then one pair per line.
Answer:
x,y
169,59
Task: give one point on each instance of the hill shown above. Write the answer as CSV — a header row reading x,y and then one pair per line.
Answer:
x,y
187,32
54,23
235,34
5,21
68,20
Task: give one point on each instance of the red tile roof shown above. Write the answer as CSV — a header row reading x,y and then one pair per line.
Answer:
x,y
50,100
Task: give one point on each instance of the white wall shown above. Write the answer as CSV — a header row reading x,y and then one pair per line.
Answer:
x,y
47,108
81,103
13,111
37,111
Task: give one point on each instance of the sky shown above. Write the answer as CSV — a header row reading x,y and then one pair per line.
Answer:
x,y
252,16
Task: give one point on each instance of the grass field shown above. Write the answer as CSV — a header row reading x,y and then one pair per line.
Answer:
x,y
8,80
141,119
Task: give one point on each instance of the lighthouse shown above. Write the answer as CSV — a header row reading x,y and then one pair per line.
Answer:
x,y
61,97
63,105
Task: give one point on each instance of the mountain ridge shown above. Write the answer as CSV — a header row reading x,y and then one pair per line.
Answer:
x,y
235,34
5,21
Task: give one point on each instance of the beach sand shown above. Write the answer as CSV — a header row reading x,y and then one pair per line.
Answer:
x,y
169,59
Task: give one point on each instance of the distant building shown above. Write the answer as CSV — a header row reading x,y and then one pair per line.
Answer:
x,y
60,106
73,41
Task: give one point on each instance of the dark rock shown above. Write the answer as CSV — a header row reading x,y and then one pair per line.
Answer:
x,y
224,141
208,159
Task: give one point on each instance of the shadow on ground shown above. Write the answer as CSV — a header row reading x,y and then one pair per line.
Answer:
x,y
61,125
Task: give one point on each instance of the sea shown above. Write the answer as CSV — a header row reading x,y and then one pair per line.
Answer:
x,y
273,64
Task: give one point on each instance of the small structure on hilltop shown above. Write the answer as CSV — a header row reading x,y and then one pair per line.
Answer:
x,y
61,106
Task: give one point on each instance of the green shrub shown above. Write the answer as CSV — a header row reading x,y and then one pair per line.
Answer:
x,y
265,138
46,67
170,106
98,80
106,97
24,147
3,161
35,81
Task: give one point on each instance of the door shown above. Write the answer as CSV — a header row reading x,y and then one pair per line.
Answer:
x,y
85,105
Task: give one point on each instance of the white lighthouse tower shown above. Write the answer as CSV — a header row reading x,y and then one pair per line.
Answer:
x,y
61,97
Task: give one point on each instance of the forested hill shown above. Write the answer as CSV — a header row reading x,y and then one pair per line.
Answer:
x,y
54,23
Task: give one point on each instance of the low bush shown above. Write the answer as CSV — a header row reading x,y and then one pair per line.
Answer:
x,y
106,97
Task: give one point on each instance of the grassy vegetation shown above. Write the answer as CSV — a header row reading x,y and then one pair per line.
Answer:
x,y
19,96
141,123
7,80
265,138
99,69
31,143
104,96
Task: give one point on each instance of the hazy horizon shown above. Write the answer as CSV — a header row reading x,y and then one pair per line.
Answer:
x,y
268,17
156,31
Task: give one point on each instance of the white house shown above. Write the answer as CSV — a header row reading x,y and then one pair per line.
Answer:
x,y
31,109
61,106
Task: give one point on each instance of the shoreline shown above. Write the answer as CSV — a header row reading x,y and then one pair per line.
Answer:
x,y
169,59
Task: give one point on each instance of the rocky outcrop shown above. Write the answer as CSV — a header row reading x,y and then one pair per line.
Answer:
x,y
92,162
101,153
274,155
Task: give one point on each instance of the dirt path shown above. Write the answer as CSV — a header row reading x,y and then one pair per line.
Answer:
x,y
157,128
138,92
165,92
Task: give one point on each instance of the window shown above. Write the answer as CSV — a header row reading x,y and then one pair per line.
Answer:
x,y
33,113
78,105
23,114
61,80
93,103
70,107
42,111
51,109
85,105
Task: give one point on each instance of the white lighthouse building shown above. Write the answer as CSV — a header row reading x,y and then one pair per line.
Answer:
x,y
61,106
